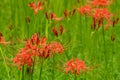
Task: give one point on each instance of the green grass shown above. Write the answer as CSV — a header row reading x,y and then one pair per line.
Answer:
x,y
100,54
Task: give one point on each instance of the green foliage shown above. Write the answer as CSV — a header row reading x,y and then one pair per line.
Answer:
x,y
78,39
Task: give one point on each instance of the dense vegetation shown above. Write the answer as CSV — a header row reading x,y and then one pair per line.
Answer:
x,y
59,40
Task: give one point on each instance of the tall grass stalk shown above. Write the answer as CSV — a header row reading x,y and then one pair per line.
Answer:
x,y
5,64
53,66
75,77
104,52
41,67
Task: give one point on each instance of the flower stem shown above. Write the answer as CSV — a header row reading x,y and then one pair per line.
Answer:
x,y
23,73
5,64
40,75
33,69
53,68
46,29
75,77
105,54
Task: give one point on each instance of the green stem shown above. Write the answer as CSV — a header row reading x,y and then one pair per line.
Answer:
x,y
46,29
112,60
5,64
27,24
35,20
33,69
53,74
75,77
41,67
105,54
104,44
23,73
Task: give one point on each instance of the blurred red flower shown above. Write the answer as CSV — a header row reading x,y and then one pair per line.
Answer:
x,y
36,47
56,47
2,40
85,10
54,17
75,66
61,29
54,30
22,59
36,7
100,2
102,14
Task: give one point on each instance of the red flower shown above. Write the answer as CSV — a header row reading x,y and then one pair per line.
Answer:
x,y
54,30
61,29
75,66
36,47
2,40
85,10
45,52
65,13
53,17
102,14
50,49
36,7
35,39
43,41
100,2
56,47
22,59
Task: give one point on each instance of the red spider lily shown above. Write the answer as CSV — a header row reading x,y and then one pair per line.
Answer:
x,y
85,10
36,47
43,41
61,29
50,49
54,17
36,7
65,13
56,47
46,15
35,39
22,59
54,30
2,40
44,52
100,3
75,66
100,15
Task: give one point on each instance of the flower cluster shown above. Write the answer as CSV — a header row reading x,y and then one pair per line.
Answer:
x,y
75,66
100,2
36,47
98,13
85,10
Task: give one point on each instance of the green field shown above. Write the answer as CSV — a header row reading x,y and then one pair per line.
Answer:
x,y
71,33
